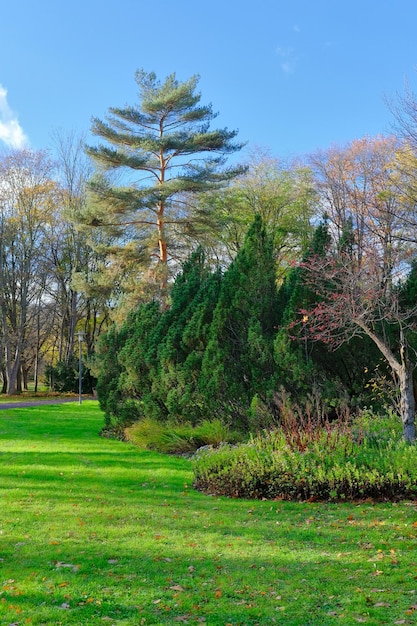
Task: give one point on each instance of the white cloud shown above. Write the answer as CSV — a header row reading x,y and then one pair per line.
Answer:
x,y
288,59
11,133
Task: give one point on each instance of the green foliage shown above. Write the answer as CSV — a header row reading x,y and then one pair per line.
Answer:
x,y
172,438
284,199
408,291
121,366
408,299
303,364
238,361
295,294
65,376
224,348
320,462
180,340
155,357
208,354
167,152
295,356
295,367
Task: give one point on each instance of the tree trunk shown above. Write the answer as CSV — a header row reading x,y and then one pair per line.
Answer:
x,y
19,380
72,324
407,403
403,369
11,381
36,372
36,364
4,379
25,377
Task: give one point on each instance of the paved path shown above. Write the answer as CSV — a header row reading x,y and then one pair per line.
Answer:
x,y
28,403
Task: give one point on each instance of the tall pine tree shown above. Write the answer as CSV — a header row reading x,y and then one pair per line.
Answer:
x,y
163,151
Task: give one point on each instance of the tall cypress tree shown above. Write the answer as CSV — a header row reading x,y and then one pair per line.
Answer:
x,y
122,367
164,149
181,338
238,362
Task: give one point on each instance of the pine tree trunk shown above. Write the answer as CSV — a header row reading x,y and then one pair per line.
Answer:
x,y
163,258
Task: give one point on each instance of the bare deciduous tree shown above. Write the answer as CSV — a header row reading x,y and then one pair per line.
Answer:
x,y
357,283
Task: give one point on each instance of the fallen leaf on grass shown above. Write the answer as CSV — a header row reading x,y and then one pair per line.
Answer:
x,y
177,588
60,565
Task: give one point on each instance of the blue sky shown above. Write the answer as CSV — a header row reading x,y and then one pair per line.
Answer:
x,y
293,76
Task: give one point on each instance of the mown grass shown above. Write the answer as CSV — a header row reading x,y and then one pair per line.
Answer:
x,y
94,531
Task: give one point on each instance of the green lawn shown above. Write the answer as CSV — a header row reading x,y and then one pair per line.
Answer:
x,y
94,531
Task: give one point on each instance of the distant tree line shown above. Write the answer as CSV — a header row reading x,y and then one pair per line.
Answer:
x,y
41,253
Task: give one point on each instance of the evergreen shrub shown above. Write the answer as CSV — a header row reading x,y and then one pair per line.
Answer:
x,y
65,377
